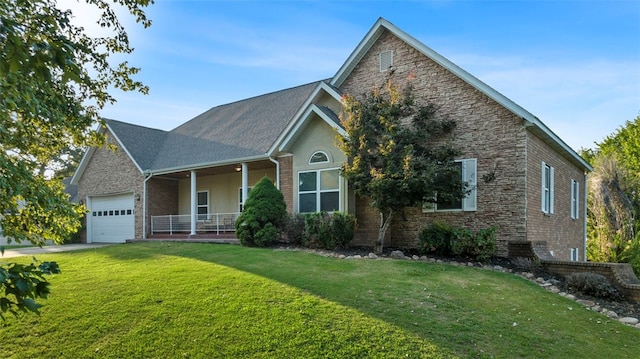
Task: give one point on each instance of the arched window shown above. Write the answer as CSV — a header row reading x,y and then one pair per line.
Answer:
x,y
318,157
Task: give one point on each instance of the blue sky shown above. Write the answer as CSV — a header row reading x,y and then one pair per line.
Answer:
x,y
573,64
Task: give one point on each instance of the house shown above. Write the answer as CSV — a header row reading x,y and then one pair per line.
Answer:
x,y
193,179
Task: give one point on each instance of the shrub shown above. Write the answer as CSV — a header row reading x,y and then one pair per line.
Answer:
x,y
443,239
436,238
344,228
526,264
294,228
263,215
593,284
328,230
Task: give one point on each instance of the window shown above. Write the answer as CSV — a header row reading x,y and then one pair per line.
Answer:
x,y
319,191
575,202
468,170
203,205
240,201
386,60
318,157
575,254
547,188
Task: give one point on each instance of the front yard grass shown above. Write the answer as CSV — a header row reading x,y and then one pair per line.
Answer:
x,y
171,300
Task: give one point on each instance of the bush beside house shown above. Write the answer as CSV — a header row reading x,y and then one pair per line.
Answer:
x,y
263,217
446,240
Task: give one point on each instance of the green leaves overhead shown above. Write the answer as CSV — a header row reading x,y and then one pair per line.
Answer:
x,y
54,80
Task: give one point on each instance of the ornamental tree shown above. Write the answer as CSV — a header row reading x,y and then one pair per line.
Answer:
x,y
54,80
398,153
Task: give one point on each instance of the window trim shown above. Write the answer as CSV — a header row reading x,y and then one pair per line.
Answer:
x,y
318,191
575,199
240,201
470,201
574,255
547,188
198,206
326,155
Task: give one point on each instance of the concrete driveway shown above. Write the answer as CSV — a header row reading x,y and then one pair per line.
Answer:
x,y
29,251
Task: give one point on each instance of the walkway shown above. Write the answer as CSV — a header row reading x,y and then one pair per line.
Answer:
x,y
28,251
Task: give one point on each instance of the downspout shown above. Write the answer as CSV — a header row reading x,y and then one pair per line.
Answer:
x,y
277,171
585,217
144,204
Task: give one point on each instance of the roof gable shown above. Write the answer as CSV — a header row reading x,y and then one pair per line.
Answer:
x,y
533,123
139,143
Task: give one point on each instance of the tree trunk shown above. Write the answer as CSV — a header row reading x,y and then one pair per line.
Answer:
x,y
384,225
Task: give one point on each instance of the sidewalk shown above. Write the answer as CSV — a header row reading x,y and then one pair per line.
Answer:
x,y
29,251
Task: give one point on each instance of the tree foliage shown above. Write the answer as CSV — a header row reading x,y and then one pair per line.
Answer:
x,y
399,153
263,215
54,80
613,207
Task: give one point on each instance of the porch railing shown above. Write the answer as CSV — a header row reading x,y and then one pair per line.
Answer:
x,y
205,223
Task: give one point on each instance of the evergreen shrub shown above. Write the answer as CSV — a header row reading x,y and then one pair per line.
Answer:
x,y
263,216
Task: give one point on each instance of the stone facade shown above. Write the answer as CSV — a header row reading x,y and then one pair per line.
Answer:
x,y
112,172
558,230
162,199
287,181
486,131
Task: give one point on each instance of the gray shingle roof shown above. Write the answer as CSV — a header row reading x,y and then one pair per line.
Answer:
x,y
237,130
143,143
240,129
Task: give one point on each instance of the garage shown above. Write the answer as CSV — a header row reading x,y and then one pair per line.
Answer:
x,y
112,218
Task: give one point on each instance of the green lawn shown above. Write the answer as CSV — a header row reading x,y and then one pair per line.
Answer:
x,y
175,300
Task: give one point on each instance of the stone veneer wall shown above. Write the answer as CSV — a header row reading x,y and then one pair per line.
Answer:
x,y
162,198
109,173
485,130
558,230
286,181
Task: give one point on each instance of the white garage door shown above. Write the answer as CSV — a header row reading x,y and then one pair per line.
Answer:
x,y
112,218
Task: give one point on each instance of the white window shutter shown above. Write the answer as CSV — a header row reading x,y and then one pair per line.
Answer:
x,y
551,190
469,175
543,188
577,199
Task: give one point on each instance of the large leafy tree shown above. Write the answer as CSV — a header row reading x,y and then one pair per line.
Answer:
x,y
54,80
399,153
614,197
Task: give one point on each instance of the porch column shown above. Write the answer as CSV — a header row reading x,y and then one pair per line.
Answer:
x,y
245,183
194,202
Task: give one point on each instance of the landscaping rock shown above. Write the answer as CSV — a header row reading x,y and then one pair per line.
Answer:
x,y
629,320
357,256
372,256
637,326
609,313
342,256
586,303
397,254
415,257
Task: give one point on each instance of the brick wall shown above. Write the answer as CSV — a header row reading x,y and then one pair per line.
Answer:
x,y
286,181
110,172
558,230
162,198
620,275
485,131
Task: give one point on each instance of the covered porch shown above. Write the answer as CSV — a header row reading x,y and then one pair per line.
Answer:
x,y
201,202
